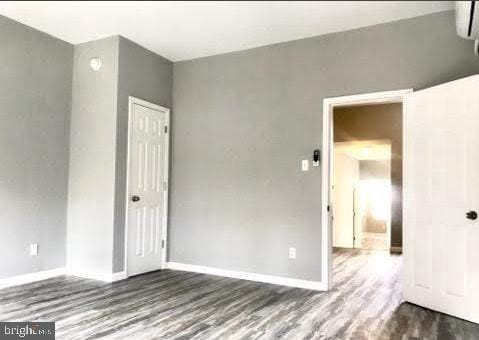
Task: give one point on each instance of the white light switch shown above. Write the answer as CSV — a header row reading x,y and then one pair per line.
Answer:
x,y
292,253
305,165
34,249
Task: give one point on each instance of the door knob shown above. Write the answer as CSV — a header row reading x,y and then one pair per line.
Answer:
x,y
472,215
135,198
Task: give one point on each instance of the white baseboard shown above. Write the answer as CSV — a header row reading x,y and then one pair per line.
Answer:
x,y
118,276
31,277
98,276
278,280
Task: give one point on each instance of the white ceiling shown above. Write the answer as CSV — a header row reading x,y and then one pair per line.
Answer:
x,y
365,150
187,30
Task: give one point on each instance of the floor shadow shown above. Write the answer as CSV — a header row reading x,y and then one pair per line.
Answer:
x,y
409,321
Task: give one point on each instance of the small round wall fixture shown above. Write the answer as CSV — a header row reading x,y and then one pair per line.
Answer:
x,y
95,64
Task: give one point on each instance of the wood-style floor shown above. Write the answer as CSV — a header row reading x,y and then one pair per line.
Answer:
x,y
374,241
364,304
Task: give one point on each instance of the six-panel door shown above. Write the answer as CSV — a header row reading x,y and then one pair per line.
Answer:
x,y
441,185
146,185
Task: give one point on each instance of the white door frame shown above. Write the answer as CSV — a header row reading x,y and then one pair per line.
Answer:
x,y
141,102
326,171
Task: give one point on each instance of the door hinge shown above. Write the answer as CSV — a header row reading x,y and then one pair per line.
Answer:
x,y
165,185
328,208
162,243
166,128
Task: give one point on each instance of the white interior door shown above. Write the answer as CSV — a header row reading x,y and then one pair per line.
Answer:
x,y
147,187
441,185
358,217
346,175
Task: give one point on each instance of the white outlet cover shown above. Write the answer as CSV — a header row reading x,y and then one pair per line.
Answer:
x,y
34,249
292,253
305,165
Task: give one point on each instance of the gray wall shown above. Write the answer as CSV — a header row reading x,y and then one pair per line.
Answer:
x,y
142,74
243,121
370,122
92,158
35,94
99,142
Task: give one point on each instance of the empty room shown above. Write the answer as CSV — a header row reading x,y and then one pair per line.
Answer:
x,y
239,170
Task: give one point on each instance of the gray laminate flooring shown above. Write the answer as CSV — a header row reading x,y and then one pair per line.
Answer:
x,y
364,304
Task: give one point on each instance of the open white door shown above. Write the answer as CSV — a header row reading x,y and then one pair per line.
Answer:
x,y
441,198
346,176
147,187
358,216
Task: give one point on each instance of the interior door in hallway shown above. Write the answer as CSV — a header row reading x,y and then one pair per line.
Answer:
x,y
441,198
147,187
346,176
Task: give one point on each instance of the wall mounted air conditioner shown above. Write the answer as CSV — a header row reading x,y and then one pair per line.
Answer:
x,y
467,21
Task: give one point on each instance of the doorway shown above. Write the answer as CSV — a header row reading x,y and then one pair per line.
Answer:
x,y
330,106
440,200
147,187
362,192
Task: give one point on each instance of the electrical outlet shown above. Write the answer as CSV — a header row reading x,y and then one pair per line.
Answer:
x,y
34,249
292,253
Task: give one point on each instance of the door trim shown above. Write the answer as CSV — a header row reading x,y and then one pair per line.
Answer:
x,y
131,101
329,104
